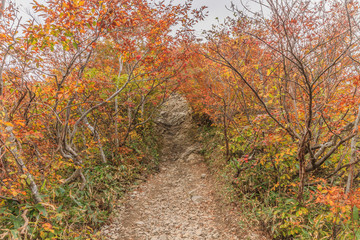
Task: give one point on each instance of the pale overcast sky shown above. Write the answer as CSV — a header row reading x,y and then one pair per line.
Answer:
x,y
216,9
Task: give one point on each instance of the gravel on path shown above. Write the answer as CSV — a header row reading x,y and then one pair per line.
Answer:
x,y
179,202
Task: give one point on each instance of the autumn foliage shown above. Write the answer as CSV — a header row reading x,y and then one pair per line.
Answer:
x,y
78,91
277,85
281,83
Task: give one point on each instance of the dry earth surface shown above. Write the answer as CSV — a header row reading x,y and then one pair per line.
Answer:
x,y
179,202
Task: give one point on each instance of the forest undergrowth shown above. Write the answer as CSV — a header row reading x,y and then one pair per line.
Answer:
x,y
269,209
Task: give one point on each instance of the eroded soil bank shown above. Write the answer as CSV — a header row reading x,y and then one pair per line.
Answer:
x,y
179,202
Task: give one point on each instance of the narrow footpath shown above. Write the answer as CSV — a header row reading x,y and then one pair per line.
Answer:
x,y
179,202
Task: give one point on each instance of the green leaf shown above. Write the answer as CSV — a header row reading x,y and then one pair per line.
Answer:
x,y
43,185
41,209
355,213
18,222
75,45
357,234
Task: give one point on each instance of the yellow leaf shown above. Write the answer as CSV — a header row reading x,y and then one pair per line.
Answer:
x,y
8,124
48,227
23,176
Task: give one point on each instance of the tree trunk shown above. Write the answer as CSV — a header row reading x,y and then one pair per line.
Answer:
x,y
2,7
97,136
13,148
302,165
353,154
226,134
117,142
69,153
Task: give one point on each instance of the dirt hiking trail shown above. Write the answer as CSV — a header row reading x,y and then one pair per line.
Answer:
x,y
180,202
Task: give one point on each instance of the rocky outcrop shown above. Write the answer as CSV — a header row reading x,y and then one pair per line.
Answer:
x,y
176,130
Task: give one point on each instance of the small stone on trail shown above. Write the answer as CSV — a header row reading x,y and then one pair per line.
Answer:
x,y
191,193
203,175
196,199
163,237
216,235
134,194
